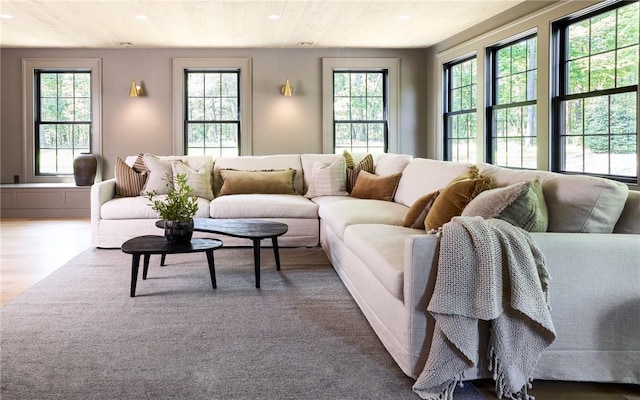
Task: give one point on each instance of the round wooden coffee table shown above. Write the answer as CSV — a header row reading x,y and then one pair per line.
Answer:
x,y
152,244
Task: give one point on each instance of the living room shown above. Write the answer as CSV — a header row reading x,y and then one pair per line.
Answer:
x,y
275,124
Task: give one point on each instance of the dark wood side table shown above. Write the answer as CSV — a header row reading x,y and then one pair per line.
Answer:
x,y
253,229
151,244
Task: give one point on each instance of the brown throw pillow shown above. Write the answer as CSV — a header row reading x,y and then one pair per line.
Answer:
x,y
370,186
366,164
257,182
129,182
418,211
455,197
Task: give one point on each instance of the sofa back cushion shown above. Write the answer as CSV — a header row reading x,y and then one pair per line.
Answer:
x,y
259,163
629,221
389,163
424,176
575,203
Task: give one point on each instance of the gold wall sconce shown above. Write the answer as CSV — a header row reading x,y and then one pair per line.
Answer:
x,y
286,90
136,90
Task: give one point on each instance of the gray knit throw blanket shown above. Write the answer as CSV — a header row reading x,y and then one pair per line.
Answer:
x,y
487,270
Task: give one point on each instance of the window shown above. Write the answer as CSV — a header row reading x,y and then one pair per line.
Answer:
x,y
360,104
212,106
596,106
513,111
460,110
212,115
63,119
62,107
360,111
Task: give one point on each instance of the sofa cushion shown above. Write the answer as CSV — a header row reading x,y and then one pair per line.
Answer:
x,y
257,182
390,163
139,208
129,180
381,249
418,211
198,180
258,163
423,176
576,203
263,206
455,197
370,186
521,204
328,179
629,221
340,214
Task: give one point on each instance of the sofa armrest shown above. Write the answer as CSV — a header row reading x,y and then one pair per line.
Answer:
x,y
421,261
101,192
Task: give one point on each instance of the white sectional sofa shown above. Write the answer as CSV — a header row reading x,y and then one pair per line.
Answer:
x,y
592,250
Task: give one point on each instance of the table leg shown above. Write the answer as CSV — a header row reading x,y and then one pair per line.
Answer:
x,y
276,251
135,263
145,265
163,257
256,260
212,267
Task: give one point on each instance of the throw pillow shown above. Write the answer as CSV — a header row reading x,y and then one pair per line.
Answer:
x,y
521,204
199,181
257,182
139,165
129,182
366,164
328,180
160,177
455,197
348,159
418,211
371,186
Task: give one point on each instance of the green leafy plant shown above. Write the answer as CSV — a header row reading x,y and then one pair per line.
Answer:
x,y
179,205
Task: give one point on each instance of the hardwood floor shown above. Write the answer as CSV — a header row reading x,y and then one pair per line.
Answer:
x,y
31,249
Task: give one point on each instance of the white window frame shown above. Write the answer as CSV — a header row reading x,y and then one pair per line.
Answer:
x,y
242,64
392,65
29,65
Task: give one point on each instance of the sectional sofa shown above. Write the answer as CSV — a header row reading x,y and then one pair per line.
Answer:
x,y
591,245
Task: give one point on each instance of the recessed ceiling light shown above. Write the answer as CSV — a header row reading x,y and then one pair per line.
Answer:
x,y
305,44
141,17
404,17
126,45
273,16
6,16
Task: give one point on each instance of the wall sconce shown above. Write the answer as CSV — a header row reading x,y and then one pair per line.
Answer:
x,y
286,89
136,90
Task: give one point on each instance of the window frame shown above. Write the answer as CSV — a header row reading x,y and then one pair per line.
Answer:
x,y
187,121
559,78
446,103
385,109
392,65
244,66
492,95
30,91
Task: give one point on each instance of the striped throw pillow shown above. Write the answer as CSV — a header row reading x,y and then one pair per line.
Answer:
x,y
366,164
129,182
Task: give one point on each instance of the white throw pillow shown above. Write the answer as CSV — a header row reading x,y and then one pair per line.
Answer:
x,y
199,181
328,180
160,172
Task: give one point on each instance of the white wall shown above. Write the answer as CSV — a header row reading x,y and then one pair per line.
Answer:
x,y
144,124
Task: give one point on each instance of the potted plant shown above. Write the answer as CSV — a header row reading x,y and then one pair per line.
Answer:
x,y
177,209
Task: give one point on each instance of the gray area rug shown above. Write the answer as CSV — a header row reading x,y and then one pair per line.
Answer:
x,y
78,335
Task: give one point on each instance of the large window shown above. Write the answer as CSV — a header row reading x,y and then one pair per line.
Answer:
x,y
212,115
460,110
62,119
360,111
62,103
212,106
360,105
513,111
596,108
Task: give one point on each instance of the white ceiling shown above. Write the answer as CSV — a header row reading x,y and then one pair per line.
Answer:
x,y
235,23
